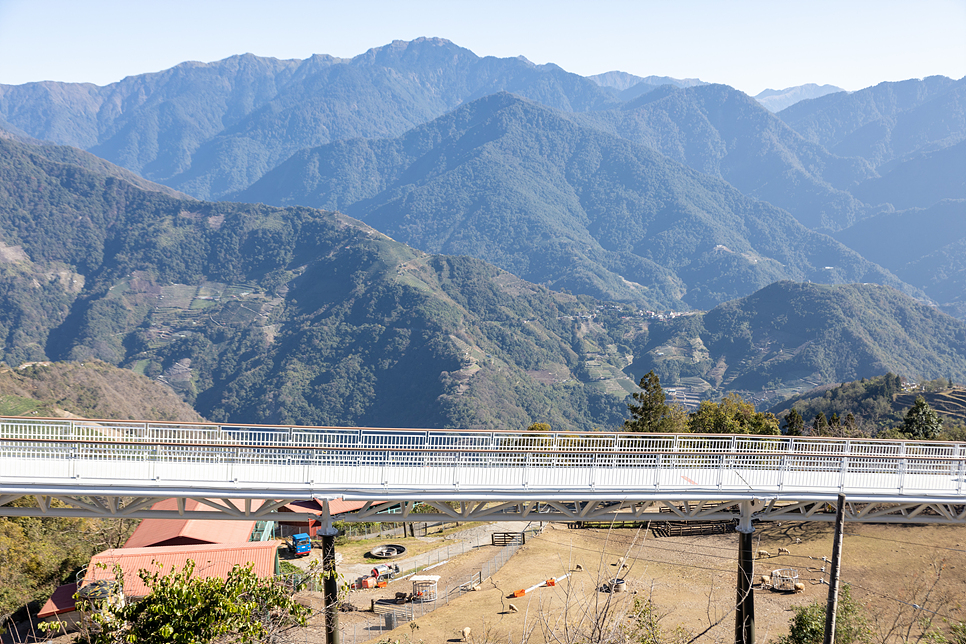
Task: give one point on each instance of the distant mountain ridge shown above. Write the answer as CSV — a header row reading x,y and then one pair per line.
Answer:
x,y
775,100
213,129
720,131
924,246
887,121
541,194
627,87
210,129
623,81
920,181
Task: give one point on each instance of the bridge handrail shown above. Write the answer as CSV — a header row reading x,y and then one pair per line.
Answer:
x,y
510,449
424,441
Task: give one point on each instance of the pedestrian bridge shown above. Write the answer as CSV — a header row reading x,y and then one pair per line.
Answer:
x,y
121,468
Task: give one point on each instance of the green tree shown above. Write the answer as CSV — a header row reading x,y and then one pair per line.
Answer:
x,y
922,422
794,423
183,609
820,425
850,423
733,415
807,626
651,413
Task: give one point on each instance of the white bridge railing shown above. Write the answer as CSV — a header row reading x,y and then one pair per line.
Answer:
x,y
386,463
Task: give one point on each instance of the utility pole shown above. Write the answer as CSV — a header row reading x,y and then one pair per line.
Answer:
x,y
330,583
833,585
745,606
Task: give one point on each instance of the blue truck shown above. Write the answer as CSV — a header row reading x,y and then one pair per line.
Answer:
x,y
299,545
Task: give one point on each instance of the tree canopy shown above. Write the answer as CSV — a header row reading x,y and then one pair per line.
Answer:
x,y
731,416
922,422
184,609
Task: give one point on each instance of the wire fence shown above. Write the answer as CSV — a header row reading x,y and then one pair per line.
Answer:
x,y
390,617
387,529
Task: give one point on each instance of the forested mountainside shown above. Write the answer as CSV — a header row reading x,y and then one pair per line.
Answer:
x,y
92,389
548,198
720,131
260,314
88,161
210,129
925,247
790,337
887,121
920,181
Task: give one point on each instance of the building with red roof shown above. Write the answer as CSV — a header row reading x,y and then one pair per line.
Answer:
x,y
60,603
211,560
152,533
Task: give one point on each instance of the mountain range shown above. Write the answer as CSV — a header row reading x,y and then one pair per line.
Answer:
x,y
212,129
443,239
541,194
260,314
294,315
720,131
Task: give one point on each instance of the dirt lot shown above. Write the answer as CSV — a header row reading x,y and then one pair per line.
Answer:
x,y
690,580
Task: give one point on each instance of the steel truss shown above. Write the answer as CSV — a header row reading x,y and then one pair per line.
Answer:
x,y
408,511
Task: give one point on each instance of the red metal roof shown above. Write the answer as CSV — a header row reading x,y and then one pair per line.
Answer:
x,y
211,560
181,532
336,506
62,601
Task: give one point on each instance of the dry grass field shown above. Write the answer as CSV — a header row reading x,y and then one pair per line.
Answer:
x,y
691,582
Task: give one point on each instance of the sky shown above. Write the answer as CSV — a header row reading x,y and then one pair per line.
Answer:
x,y
748,44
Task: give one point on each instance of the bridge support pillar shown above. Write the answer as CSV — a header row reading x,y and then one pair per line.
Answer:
x,y
330,585
745,605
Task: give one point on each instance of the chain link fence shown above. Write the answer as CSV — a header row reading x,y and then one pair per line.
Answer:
x,y
390,617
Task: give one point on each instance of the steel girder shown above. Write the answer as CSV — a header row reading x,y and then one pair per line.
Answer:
x,y
406,510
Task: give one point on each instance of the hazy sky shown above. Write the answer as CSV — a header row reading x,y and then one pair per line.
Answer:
x,y
750,45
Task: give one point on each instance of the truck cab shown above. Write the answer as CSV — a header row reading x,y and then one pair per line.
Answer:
x,y
300,544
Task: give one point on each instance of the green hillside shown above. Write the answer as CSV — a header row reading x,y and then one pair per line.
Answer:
x,y
880,403
950,402
789,338
540,194
261,314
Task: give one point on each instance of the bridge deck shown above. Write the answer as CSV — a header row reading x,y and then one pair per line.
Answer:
x,y
72,458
